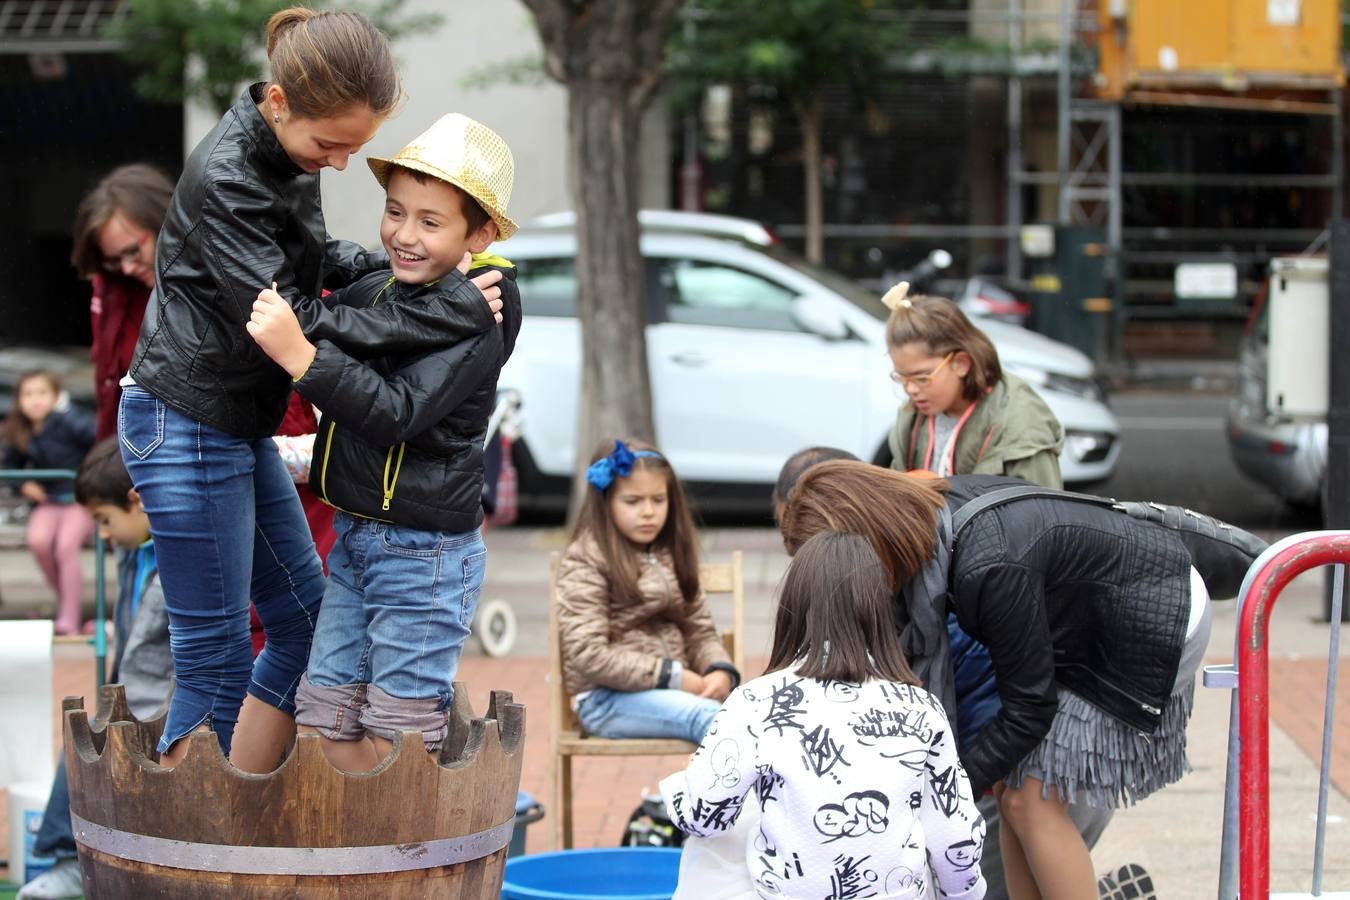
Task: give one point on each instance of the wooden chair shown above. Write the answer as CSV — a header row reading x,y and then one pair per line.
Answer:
x,y
566,738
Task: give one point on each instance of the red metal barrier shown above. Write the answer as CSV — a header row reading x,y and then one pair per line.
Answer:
x,y
1318,549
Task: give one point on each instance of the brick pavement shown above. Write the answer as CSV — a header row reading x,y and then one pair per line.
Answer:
x,y
1176,833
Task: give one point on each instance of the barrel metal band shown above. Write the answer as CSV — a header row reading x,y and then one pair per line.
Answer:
x,y
291,860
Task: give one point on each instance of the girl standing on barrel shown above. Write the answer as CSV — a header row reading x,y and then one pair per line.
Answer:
x,y
202,401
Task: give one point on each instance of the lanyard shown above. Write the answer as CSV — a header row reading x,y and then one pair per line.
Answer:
x,y
949,452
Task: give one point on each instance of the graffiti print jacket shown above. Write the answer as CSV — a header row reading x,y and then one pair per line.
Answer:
x,y
859,786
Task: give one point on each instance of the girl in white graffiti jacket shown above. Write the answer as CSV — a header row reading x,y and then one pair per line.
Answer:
x,y
853,765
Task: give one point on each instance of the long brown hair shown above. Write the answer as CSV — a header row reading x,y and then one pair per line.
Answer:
x,y
897,514
836,614
18,429
939,324
678,536
138,191
329,61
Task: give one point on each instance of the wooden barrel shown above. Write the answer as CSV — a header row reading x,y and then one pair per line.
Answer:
x,y
415,827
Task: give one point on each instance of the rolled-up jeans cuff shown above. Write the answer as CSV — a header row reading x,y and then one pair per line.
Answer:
x,y
332,710
386,716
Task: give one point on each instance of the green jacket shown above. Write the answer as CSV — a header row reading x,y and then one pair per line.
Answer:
x,y
1011,432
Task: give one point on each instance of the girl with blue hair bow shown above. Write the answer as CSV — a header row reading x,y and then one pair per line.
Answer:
x,y
641,656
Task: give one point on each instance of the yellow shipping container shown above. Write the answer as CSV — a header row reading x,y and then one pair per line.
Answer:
x,y
1229,44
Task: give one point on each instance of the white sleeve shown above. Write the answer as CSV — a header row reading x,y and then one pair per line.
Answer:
x,y
953,827
706,797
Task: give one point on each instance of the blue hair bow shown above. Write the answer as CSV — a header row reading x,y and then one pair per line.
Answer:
x,y
602,472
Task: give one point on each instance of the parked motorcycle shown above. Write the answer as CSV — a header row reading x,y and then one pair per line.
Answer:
x,y
978,296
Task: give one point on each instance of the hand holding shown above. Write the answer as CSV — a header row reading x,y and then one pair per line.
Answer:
x,y
691,682
487,283
277,331
716,685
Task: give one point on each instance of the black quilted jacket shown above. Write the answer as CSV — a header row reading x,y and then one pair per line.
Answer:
x,y
401,438
242,217
1070,593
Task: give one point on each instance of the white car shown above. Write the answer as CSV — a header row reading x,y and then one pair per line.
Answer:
x,y
753,354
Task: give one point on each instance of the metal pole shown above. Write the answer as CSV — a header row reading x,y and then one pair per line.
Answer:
x,y
1062,135
1337,160
100,614
1336,489
1115,216
1013,248
1328,721
689,171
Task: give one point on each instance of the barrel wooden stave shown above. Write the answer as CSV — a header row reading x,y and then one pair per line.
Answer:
x,y
117,783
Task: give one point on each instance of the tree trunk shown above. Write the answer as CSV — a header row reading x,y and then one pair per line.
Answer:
x,y
808,117
603,125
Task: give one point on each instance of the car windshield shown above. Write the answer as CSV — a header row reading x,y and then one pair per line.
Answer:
x,y
850,290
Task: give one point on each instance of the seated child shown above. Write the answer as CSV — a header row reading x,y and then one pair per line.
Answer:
x,y
641,656
142,663
853,764
45,431
399,454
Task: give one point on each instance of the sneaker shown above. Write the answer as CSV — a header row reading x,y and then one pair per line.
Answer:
x,y
60,882
1130,882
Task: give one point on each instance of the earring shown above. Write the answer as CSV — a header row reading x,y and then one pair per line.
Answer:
x,y
276,118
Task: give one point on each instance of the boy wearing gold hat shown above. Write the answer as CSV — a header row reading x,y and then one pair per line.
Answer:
x,y
399,452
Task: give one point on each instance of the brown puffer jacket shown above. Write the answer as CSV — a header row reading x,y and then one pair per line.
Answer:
x,y
619,644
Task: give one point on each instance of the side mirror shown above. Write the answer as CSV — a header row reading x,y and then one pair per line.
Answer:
x,y
818,316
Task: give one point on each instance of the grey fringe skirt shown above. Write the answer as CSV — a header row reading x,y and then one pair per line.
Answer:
x,y
1094,758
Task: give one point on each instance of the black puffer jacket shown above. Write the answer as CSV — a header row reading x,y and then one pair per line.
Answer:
x,y
242,217
401,437
1070,593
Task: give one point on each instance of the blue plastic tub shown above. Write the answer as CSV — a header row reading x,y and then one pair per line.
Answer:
x,y
617,873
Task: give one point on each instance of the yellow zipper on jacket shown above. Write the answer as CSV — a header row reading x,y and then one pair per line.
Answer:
x,y
388,485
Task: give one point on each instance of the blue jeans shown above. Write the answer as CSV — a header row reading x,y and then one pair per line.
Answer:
x,y
395,616
647,714
228,527
56,835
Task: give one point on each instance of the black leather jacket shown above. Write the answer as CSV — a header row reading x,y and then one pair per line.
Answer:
x,y
401,438
1068,593
242,217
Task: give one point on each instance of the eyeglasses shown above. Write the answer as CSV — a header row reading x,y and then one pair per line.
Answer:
x,y
921,381
128,257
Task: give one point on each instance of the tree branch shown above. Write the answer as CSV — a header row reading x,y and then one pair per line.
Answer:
x,y
553,18
650,51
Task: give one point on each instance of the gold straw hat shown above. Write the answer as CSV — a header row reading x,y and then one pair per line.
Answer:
x,y
464,153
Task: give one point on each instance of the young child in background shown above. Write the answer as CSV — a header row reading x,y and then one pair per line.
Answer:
x,y
399,452
44,431
965,416
853,764
142,662
641,656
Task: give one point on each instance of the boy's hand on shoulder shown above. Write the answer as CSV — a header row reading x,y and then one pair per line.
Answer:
x,y
716,685
276,330
487,283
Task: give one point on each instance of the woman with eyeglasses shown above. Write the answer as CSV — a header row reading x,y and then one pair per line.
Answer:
x,y
964,415
115,230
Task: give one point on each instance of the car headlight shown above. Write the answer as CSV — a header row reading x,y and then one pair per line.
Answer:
x,y
1086,388
1088,446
